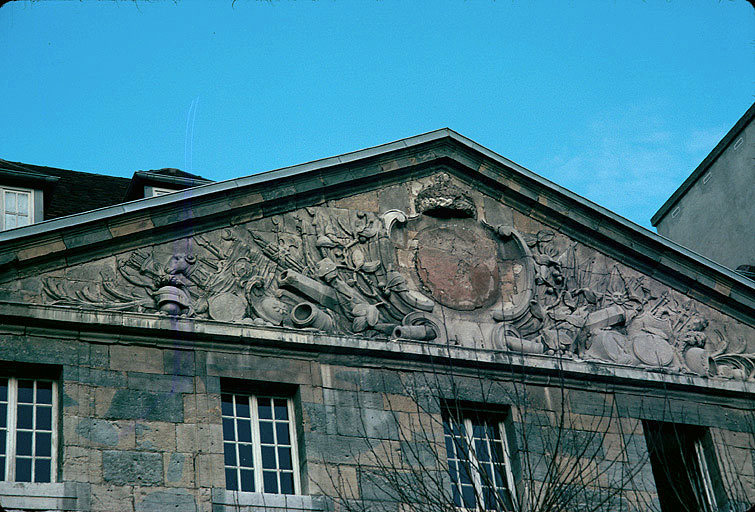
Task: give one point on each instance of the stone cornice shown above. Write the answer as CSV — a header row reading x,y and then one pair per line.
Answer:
x,y
138,328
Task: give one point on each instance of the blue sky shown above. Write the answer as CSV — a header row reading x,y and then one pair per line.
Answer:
x,y
616,100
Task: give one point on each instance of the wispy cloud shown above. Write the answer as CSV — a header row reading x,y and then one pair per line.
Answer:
x,y
705,140
633,163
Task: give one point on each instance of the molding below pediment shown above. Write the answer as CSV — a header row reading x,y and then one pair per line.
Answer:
x,y
184,333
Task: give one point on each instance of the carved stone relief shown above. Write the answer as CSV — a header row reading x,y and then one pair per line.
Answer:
x,y
444,275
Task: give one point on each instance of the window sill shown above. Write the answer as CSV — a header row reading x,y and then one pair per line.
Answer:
x,y
239,501
37,496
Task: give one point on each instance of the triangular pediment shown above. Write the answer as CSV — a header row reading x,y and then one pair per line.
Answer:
x,y
433,239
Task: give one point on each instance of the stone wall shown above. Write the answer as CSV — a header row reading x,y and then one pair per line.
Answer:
x,y
141,427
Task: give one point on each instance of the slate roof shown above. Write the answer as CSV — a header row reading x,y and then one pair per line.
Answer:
x,y
75,191
178,173
168,177
72,192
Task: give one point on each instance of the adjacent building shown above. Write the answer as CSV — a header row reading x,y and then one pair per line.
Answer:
x,y
713,211
423,325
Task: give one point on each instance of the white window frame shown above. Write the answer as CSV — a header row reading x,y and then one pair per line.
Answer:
x,y
702,465
158,191
11,429
474,463
257,443
29,191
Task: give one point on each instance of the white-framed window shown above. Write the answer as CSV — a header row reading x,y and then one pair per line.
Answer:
x,y
28,430
479,462
150,191
16,207
259,444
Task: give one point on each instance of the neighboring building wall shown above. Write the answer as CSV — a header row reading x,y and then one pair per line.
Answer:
x,y
714,214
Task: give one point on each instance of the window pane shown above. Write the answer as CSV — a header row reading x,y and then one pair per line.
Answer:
x,y
268,457
487,479
281,431
245,430
25,413
465,473
245,456
2,469
44,392
10,202
42,470
264,409
23,443
3,390
229,454
287,483
227,405
23,470
228,433
481,451
457,495
284,458
3,415
498,452
281,409
489,499
43,446
450,448
247,480
271,481
44,418
266,432
23,203
452,472
499,469
242,406
467,494
230,480
2,442
22,220
26,391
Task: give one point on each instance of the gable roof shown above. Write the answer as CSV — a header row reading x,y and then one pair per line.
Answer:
x,y
73,237
170,178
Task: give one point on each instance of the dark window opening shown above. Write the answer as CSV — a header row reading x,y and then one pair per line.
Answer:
x,y
684,466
